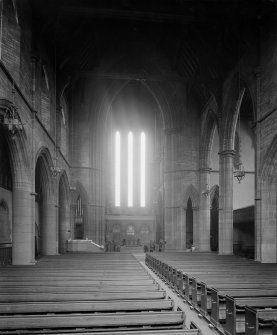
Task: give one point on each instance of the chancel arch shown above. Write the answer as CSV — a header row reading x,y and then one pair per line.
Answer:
x,y
132,145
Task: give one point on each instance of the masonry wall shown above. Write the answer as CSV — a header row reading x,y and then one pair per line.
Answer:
x,y
20,72
181,171
85,152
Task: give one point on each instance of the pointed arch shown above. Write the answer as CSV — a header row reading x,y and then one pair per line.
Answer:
x,y
208,127
45,202
4,208
192,193
43,161
237,101
63,181
214,194
80,191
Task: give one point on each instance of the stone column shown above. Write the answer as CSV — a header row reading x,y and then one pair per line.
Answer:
x,y
204,211
49,229
225,234
196,227
23,238
182,232
168,234
258,206
64,226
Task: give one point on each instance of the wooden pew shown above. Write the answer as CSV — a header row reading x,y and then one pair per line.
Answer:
x,y
181,280
237,281
259,321
54,297
136,332
210,297
112,321
75,289
203,275
139,332
218,298
31,277
274,327
73,283
235,311
85,306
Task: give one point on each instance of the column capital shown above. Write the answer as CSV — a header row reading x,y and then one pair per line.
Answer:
x,y
228,152
34,58
58,109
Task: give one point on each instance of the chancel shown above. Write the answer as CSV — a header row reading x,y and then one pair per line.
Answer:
x,y
138,165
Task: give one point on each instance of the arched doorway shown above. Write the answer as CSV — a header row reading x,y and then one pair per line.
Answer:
x,y
189,224
5,227
214,224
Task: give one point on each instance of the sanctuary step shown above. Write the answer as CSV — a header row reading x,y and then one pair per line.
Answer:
x,y
132,249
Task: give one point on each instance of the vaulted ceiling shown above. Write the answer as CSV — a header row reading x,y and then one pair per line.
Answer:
x,y
196,42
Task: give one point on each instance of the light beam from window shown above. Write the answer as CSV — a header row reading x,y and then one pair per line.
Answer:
x,y
117,169
142,170
130,169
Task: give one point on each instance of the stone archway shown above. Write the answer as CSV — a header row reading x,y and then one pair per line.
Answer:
x,y
189,217
46,211
18,169
5,227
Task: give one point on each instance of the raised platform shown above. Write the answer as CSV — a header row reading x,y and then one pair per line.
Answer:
x,y
83,246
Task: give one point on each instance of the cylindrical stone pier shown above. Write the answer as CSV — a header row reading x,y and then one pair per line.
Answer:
x,y
23,238
225,234
204,211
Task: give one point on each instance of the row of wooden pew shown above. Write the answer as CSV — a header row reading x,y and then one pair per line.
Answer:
x,y
86,294
235,295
